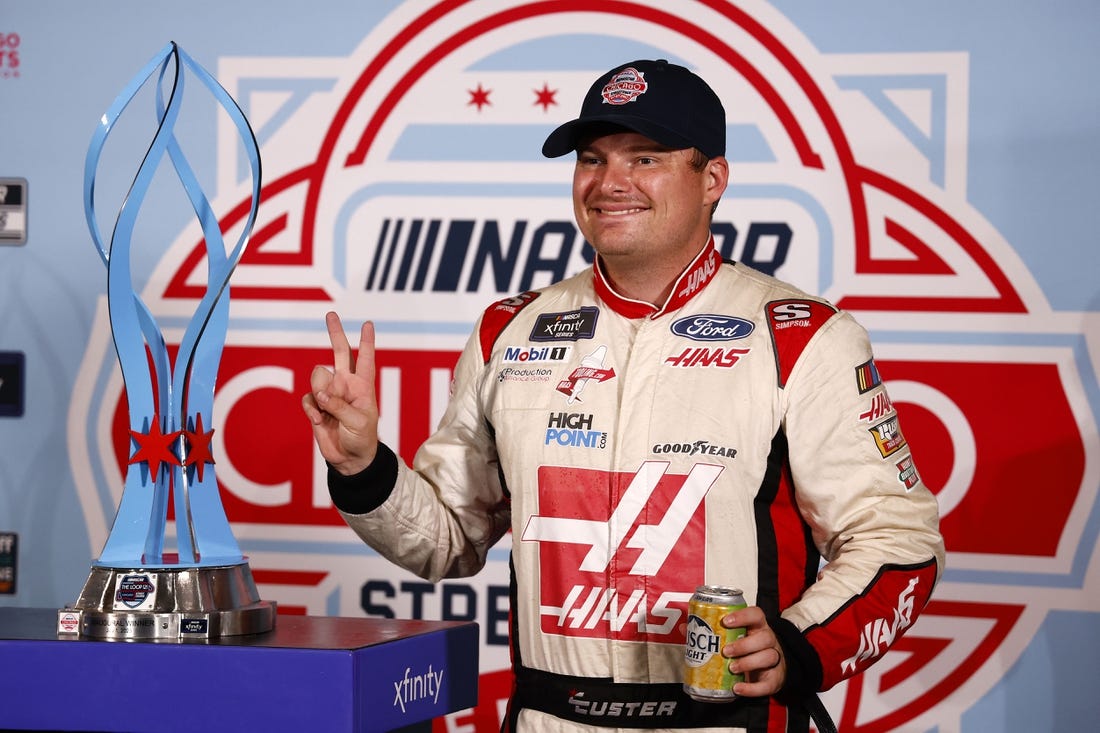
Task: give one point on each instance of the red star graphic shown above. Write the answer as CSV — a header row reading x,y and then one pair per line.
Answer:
x,y
545,97
198,441
479,97
154,447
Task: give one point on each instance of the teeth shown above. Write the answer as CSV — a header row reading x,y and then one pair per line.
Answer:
x,y
619,213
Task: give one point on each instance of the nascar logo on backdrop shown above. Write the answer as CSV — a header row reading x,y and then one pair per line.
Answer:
x,y
405,185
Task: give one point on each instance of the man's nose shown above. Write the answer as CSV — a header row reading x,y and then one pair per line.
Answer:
x,y
615,177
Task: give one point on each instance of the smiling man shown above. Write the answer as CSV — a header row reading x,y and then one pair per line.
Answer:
x,y
694,423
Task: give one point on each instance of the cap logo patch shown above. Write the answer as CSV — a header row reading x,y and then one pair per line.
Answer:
x,y
626,86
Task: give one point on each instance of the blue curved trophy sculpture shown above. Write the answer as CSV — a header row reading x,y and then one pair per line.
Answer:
x,y
205,589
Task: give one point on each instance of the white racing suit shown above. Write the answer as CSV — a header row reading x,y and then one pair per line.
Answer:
x,y
736,436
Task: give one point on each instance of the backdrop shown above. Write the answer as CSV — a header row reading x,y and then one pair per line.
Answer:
x,y
932,168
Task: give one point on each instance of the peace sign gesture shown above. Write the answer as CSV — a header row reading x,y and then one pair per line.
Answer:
x,y
342,405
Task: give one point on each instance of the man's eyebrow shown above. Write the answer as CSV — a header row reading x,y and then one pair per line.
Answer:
x,y
652,147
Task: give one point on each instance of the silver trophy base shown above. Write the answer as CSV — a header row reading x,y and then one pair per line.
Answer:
x,y
169,604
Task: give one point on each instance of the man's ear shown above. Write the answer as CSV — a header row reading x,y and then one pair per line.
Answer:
x,y
717,175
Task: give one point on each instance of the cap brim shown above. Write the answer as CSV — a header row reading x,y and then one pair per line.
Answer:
x,y
564,139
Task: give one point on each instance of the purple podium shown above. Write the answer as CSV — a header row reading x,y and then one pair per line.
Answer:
x,y
308,674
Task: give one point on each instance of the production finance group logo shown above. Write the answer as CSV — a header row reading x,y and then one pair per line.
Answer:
x,y
426,198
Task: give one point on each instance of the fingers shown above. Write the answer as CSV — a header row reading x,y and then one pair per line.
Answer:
x,y
342,361
350,417
320,379
751,617
364,363
755,651
764,672
341,349
759,661
757,654
312,411
342,404
762,684
320,383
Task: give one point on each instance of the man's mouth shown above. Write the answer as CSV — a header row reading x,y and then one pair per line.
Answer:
x,y
618,212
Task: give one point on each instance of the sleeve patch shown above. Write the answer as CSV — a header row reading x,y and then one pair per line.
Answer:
x,y
867,376
498,316
793,323
866,627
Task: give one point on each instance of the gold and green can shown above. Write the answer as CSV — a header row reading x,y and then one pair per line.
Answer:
x,y
707,675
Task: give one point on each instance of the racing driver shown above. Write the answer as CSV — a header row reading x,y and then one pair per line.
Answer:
x,y
662,420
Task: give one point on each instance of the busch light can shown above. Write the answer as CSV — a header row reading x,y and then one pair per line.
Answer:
x,y
707,675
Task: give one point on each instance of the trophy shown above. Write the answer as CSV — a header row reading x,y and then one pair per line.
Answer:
x,y
205,589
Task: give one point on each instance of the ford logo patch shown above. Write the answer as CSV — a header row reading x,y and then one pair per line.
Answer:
x,y
711,327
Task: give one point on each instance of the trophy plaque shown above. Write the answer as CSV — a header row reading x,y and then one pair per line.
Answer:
x,y
137,589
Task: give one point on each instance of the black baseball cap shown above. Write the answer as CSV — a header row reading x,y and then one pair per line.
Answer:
x,y
667,103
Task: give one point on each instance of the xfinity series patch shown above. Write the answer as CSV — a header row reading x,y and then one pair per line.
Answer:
x,y
711,327
569,326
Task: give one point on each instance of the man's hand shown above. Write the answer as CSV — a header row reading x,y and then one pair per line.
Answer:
x,y
342,405
757,655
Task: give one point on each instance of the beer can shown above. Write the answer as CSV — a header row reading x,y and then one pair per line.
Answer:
x,y
707,676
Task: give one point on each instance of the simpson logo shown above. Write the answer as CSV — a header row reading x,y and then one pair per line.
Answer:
x,y
699,357
570,326
515,303
710,327
791,314
626,86
888,438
